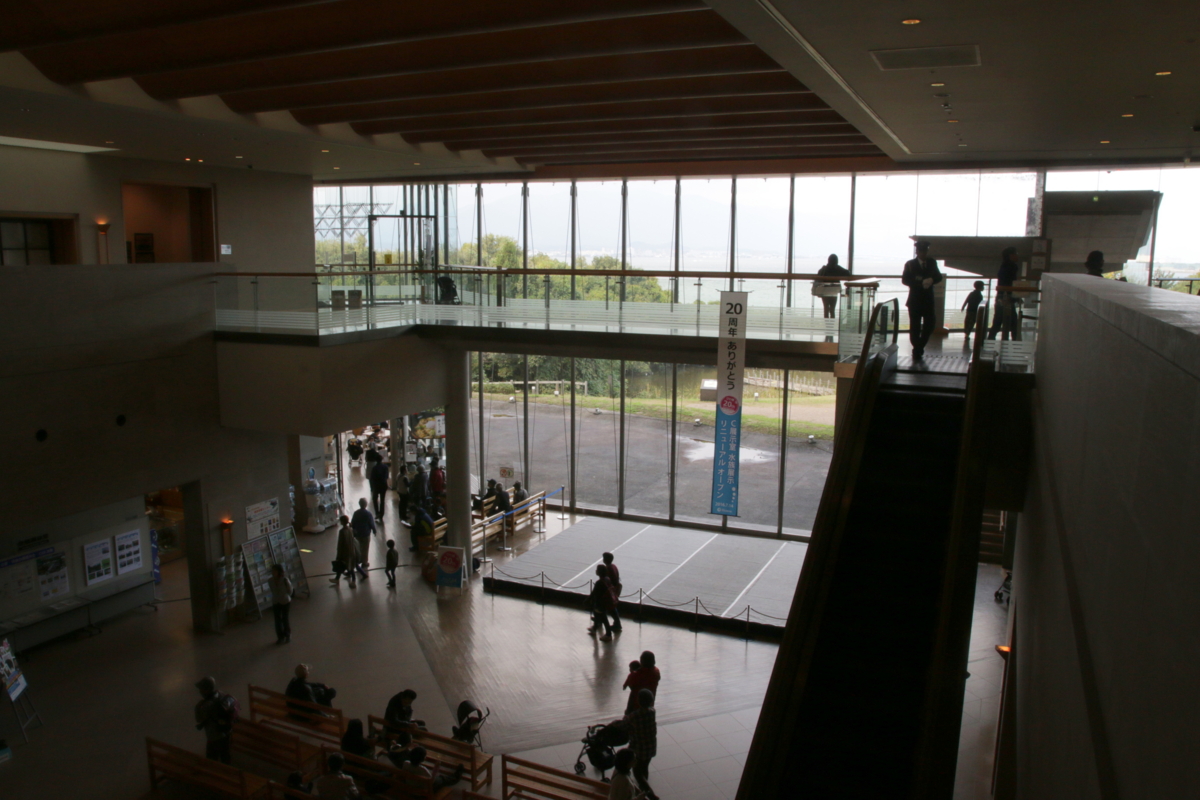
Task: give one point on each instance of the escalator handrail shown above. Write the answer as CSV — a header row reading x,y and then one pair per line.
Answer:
x,y
766,772
875,314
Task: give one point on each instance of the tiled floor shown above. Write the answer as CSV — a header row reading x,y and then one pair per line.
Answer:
x,y
544,679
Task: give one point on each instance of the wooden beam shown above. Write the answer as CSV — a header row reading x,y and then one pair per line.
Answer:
x,y
716,169
770,83
723,154
530,153
314,27
682,135
649,124
468,61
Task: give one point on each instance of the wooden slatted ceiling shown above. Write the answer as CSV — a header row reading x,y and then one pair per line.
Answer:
x,y
541,81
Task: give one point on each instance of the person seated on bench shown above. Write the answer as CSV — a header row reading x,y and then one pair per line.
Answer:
x,y
334,783
503,504
296,783
416,766
400,748
519,495
356,743
300,688
399,713
491,492
421,525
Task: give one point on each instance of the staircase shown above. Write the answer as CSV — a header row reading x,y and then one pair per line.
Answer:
x,y
991,537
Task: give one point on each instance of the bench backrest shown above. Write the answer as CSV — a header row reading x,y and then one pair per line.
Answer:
x,y
444,748
275,746
527,779
277,710
168,761
278,791
367,771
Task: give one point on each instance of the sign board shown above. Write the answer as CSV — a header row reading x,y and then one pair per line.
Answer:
x,y
129,551
226,249
731,372
262,518
98,561
286,551
410,452
427,425
10,672
451,562
508,472
259,561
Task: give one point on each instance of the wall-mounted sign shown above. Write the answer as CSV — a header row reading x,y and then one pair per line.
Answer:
x,y
226,249
129,551
98,561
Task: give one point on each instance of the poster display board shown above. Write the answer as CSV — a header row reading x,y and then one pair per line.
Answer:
x,y
97,561
259,561
286,551
262,518
18,575
129,551
53,578
231,582
10,671
731,369
451,563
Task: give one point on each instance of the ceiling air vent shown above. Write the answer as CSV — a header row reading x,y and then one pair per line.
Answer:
x,y
959,55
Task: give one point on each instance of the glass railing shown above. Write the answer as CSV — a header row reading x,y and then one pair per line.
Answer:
x,y
781,307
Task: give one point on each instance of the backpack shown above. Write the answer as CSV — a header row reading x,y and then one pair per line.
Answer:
x,y
228,711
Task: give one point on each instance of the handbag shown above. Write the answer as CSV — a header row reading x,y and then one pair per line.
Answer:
x,y
339,566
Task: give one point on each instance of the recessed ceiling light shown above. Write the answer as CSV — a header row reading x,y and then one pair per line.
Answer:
x,y
951,120
324,151
110,142
1164,72
1126,115
910,22
187,159
237,156
1105,141
416,163
937,84
337,167
201,160
962,145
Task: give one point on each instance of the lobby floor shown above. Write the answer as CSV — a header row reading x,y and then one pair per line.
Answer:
x,y
534,666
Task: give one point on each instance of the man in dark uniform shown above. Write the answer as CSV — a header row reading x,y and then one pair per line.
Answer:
x,y
920,276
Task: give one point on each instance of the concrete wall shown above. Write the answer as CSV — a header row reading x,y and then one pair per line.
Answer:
x,y
266,217
1105,590
132,341
319,391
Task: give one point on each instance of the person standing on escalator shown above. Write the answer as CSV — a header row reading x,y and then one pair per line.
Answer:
x,y
921,274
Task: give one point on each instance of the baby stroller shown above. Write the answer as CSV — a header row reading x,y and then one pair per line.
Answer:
x,y
470,720
599,744
354,449
447,292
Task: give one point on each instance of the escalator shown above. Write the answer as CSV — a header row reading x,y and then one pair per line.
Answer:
x,y
866,697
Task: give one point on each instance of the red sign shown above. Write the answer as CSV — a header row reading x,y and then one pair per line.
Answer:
x,y
729,404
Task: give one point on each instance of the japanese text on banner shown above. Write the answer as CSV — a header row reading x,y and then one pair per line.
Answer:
x,y
731,369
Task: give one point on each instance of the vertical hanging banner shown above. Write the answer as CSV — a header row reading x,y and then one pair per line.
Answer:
x,y
731,371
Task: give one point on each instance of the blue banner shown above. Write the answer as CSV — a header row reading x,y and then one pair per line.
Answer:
x,y
731,369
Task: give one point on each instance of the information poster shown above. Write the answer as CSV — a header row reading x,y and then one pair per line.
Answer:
x,y
129,551
258,570
53,578
731,368
97,561
262,518
286,551
10,672
428,425
18,575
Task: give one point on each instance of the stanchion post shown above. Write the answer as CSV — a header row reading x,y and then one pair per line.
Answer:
x,y
493,563
543,587
696,619
562,503
641,611
747,623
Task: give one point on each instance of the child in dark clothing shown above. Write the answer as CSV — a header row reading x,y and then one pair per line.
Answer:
x,y
393,561
971,304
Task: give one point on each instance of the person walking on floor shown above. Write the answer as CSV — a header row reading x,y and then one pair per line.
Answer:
x,y
920,276
393,561
602,603
378,478
363,523
346,558
1005,316
971,306
437,483
646,676
418,489
401,483
614,577
642,726
281,603
215,715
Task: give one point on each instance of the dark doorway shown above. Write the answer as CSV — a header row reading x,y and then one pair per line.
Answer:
x,y
168,224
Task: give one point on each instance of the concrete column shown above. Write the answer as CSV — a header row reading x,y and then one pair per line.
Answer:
x,y
458,449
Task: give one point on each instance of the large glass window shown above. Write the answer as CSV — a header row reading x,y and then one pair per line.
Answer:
x,y
885,216
651,233
598,419
758,466
598,239
647,438
549,237
696,443
762,237
549,423
502,239
812,401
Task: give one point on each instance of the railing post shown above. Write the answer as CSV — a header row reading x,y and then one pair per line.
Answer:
x,y
747,622
562,503
696,618
641,609
543,600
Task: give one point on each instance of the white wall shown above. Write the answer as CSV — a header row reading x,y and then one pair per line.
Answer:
x,y
266,217
1106,596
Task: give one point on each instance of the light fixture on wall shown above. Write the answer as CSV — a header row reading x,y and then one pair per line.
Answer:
x,y
102,242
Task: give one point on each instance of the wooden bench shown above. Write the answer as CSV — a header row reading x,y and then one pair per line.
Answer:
x,y
276,746
168,762
450,752
531,507
526,780
379,778
280,792
277,710
427,543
